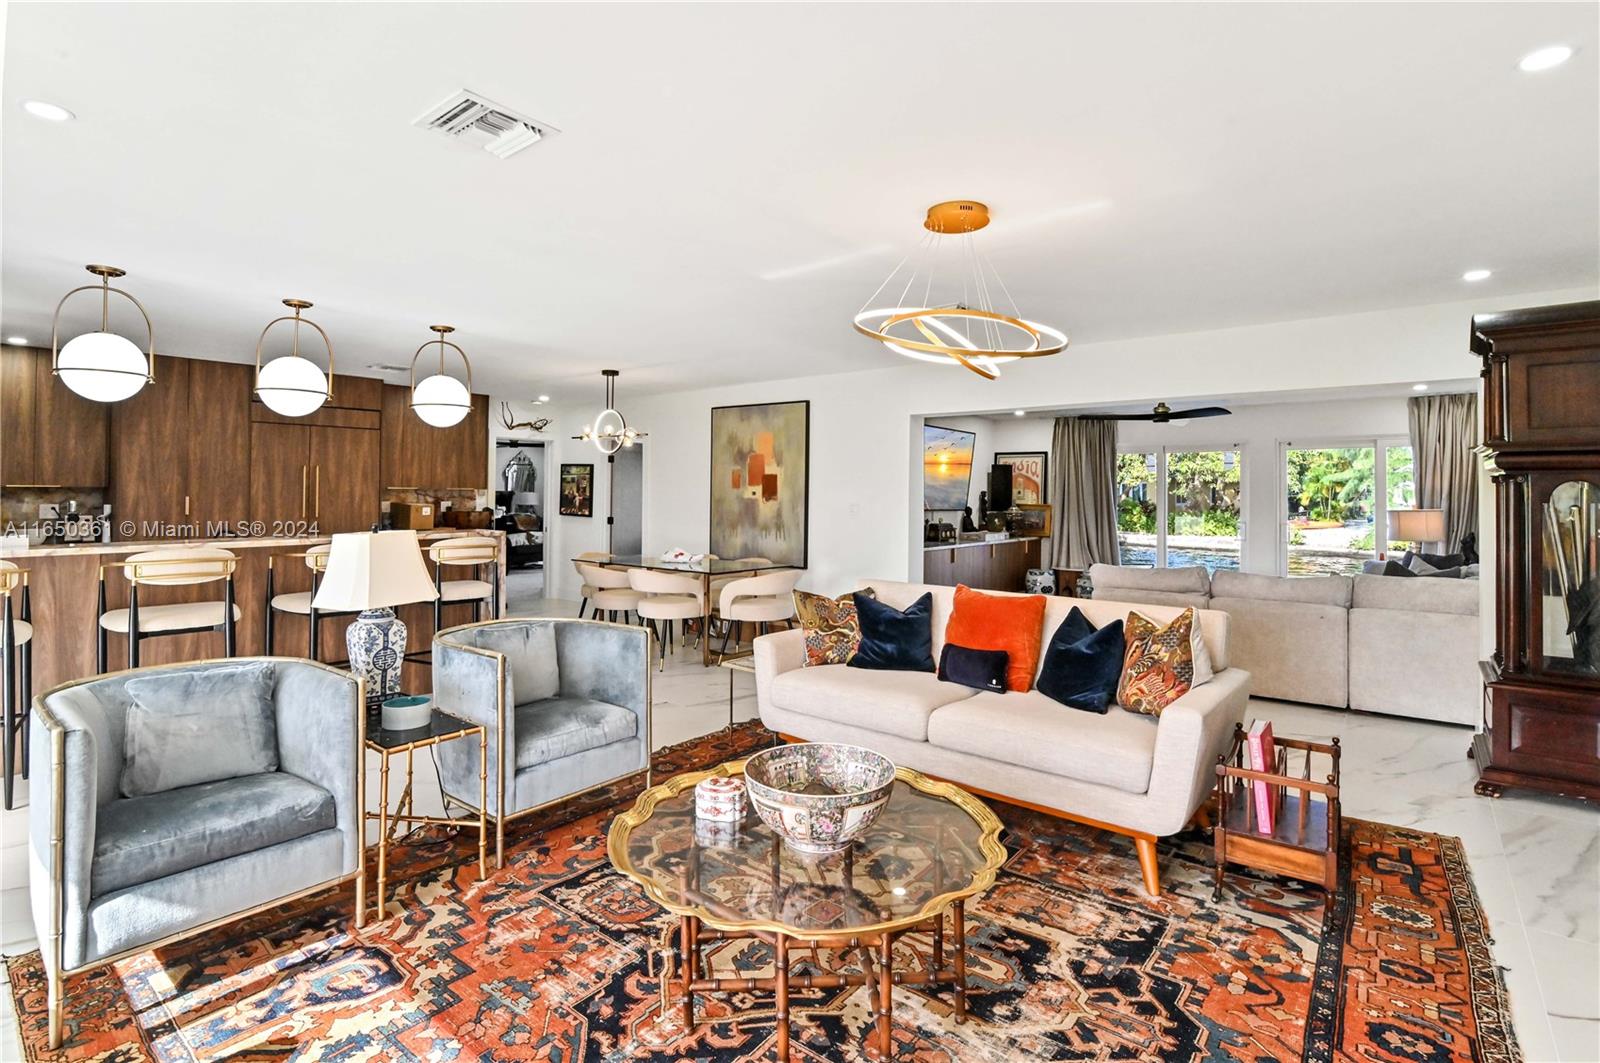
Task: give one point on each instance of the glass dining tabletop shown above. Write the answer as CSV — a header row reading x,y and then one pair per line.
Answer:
x,y
730,566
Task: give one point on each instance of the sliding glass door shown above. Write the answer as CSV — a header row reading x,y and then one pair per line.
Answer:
x,y
1336,504
1178,508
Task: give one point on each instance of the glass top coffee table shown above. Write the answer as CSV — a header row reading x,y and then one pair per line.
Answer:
x,y
934,846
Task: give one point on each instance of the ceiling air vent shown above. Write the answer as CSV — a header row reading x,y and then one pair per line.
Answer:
x,y
499,130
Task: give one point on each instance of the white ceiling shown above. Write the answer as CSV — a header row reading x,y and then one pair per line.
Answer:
x,y
732,181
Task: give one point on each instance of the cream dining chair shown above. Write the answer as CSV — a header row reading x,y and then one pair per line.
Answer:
x,y
762,599
586,591
173,566
610,591
669,597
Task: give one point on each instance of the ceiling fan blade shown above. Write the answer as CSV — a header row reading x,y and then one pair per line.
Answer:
x,y
1120,416
1202,411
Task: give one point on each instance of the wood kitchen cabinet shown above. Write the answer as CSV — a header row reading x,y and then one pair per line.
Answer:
x,y
51,436
149,461
418,455
999,566
324,476
218,473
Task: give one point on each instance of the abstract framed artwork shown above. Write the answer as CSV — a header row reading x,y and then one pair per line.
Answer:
x,y
577,491
1030,475
761,481
946,467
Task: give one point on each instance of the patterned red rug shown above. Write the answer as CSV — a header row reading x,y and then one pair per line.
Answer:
x,y
548,960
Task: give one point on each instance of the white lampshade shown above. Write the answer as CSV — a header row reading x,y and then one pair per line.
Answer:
x,y
372,570
441,400
102,366
292,386
1416,525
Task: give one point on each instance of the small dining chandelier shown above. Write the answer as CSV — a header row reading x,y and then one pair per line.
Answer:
x,y
951,307
610,432
441,400
103,366
290,384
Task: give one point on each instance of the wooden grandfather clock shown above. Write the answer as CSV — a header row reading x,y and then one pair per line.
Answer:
x,y
1541,372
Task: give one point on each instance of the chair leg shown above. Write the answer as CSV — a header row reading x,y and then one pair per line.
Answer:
x,y
271,629
26,703
53,1002
1148,865
581,606
727,629
100,650
8,699
312,628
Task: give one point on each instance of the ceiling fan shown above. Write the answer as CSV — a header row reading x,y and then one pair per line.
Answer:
x,y
1164,413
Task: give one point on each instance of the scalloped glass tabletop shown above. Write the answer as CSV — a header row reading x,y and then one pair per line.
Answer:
x,y
933,844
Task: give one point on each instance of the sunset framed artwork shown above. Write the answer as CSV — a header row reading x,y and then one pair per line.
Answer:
x,y
761,481
946,467
1030,475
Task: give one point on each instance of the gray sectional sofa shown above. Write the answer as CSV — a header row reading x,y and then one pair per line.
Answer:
x,y
1141,776
1387,644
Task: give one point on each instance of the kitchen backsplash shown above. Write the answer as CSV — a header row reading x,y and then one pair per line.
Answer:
x,y
19,507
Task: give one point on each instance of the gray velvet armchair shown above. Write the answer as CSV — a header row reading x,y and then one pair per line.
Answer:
x,y
170,799
566,704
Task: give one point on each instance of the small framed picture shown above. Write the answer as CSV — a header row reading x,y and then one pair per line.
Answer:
x,y
577,490
1030,476
1035,521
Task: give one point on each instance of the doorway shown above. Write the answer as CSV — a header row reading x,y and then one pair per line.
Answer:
x,y
519,510
627,501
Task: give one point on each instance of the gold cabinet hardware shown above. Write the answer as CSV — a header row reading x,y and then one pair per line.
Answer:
x,y
410,488
316,498
185,505
304,470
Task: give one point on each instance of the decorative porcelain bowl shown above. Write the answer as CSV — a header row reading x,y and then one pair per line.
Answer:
x,y
818,796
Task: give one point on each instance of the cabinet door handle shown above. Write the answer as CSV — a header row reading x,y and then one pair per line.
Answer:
x,y
185,505
303,472
316,498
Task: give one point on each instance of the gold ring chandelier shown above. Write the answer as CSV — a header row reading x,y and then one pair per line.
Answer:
x,y
946,312
610,431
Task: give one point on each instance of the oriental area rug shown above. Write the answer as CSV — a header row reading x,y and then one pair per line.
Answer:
x,y
553,958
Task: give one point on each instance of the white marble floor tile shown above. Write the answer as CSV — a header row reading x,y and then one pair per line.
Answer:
x,y
16,922
1555,865
1569,977
1528,1014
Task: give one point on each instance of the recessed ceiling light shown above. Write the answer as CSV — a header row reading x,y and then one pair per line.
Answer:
x,y
1019,413
1547,58
1476,275
1419,387
48,111
17,341
544,398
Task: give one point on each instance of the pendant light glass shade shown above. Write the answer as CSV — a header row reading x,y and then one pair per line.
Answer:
x,y
102,366
441,400
291,385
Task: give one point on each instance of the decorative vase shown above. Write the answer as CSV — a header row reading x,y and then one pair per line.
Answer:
x,y
1040,581
1085,585
376,641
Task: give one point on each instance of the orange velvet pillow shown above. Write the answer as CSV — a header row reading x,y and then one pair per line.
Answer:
x,y
992,622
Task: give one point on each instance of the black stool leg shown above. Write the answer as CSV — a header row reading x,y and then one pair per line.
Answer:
x,y
581,607
26,702
8,699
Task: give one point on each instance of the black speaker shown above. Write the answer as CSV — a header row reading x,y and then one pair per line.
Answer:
x,y
999,488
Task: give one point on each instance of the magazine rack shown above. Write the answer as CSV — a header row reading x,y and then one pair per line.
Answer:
x,y
1304,843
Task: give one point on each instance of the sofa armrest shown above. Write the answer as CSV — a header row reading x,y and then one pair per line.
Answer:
x,y
69,729
320,724
475,684
1194,731
779,652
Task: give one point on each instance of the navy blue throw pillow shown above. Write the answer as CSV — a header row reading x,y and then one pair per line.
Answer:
x,y
892,641
1082,665
979,669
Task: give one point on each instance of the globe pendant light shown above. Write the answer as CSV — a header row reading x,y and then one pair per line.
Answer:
x,y
441,400
102,366
291,385
610,432
946,311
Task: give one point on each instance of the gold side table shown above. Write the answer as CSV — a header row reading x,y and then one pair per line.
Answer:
x,y
442,727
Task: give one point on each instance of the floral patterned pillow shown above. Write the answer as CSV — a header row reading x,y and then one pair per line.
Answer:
x,y
1157,663
833,631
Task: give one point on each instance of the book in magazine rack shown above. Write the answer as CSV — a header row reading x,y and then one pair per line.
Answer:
x,y
1304,842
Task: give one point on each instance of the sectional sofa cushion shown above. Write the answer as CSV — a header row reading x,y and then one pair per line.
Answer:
x,y
563,727
192,727
892,702
530,651
1274,619
1158,667
1428,596
1312,590
1190,586
1000,622
1082,664
1031,731
140,839
978,669
833,632
894,639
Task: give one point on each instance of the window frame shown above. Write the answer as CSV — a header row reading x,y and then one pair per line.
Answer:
x,y
1162,485
1380,486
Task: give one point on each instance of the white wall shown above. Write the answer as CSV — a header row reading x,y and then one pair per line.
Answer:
x,y
866,427
1256,431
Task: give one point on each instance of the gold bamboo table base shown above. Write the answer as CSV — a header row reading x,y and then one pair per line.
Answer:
x,y
442,727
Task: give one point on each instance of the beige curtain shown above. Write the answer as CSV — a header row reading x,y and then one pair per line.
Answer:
x,y
1444,429
1083,492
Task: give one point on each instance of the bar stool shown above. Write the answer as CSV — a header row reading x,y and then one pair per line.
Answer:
x,y
610,591
299,602
668,597
466,551
761,599
586,592
16,635
180,566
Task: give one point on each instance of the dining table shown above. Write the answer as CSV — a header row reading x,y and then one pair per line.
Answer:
x,y
707,568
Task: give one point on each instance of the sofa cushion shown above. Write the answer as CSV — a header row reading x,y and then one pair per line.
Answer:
x,y
192,727
894,639
1000,622
530,651
1191,579
1416,595
1313,590
896,703
1082,665
561,727
1031,731
141,839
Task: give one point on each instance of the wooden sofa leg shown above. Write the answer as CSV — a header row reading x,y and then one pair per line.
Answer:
x,y
1148,865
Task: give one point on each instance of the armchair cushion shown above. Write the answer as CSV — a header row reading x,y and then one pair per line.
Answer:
x,y
140,839
561,727
198,726
530,651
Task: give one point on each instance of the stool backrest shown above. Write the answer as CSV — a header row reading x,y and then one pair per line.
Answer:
x,y
465,550
768,584
179,566
650,581
317,558
10,576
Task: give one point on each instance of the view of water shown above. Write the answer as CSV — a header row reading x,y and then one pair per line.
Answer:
x,y
1301,563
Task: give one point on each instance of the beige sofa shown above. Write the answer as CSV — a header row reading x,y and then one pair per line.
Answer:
x,y
1414,648
1294,632
1136,775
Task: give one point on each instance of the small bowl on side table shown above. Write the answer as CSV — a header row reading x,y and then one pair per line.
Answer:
x,y
818,796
